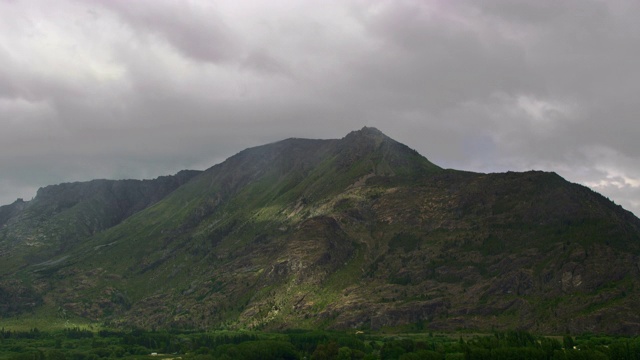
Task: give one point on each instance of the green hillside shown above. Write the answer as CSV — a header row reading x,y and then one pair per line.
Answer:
x,y
360,232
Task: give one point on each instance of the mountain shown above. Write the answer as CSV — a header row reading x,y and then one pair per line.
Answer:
x,y
359,232
62,216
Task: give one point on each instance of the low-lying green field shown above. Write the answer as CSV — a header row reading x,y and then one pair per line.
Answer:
x,y
83,344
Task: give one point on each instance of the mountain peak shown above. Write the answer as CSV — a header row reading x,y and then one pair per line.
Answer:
x,y
361,232
367,132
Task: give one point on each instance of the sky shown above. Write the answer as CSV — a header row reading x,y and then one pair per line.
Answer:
x,y
137,89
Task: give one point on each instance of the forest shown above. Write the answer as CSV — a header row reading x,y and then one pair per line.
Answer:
x,y
83,344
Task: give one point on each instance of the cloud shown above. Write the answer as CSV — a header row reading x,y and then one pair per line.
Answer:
x,y
137,89
192,28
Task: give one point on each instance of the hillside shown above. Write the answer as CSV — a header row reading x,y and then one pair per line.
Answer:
x,y
62,216
359,232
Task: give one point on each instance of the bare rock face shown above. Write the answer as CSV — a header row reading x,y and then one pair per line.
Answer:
x,y
359,232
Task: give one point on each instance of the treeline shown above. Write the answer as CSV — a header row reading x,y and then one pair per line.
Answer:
x,y
522,345
81,344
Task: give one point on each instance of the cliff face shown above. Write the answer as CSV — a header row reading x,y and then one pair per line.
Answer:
x,y
360,232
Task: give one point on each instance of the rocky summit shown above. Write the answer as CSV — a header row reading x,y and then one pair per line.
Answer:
x,y
360,232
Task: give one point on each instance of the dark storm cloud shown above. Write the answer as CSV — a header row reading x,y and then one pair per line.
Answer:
x,y
193,29
261,60
139,89
430,62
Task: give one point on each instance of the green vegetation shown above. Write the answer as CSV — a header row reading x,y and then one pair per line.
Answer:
x,y
357,233
79,344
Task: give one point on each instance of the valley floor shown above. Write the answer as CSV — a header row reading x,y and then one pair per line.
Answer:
x,y
82,344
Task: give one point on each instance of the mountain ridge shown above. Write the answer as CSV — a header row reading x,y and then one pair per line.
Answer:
x,y
359,232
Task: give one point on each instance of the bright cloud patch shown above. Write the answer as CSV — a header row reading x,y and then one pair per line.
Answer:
x,y
542,111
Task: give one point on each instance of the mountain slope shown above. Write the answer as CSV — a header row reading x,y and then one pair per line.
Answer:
x,y
358,232
61,216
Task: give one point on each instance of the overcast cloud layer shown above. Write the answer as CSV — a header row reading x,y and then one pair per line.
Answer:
x,y
137,89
